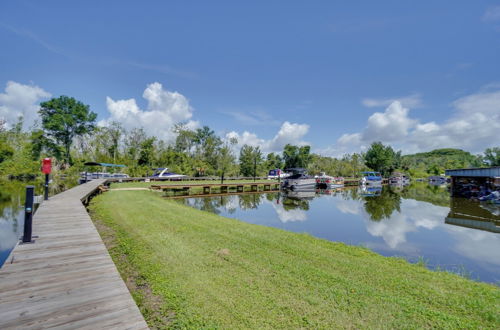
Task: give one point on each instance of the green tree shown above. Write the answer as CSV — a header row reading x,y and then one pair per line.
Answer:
x,y
185,139
381,158
295,156
133,142
207,145
492,156
65,118
250,160
273,161
147,151
225,158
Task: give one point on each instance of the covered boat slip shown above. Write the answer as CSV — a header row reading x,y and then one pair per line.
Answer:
x,y
472,181
66,277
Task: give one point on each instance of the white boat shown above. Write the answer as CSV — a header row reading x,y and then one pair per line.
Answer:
x,y
299,180
277,174
399,179
164,173
371,179
324,181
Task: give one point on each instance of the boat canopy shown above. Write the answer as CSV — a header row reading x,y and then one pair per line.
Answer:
x,y
296,170
102,164
371,173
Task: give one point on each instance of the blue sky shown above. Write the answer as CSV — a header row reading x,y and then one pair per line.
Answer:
x,y
416,75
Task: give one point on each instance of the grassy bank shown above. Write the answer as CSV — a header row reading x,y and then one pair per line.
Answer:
x,y
189,268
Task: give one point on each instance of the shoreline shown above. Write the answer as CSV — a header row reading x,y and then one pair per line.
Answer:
x,y
244,266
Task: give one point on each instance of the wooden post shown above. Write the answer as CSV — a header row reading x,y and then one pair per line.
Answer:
x,y
28,214
46,188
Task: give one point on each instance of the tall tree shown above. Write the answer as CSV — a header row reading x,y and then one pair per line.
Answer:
x,y
225,158
185,139
250,160
65,118
146,154
273,161
295,156
381,158
133,142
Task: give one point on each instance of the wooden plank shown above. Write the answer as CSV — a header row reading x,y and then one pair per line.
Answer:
x,y
66,278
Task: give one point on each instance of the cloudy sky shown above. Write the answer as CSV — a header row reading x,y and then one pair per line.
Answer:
x,y
418,75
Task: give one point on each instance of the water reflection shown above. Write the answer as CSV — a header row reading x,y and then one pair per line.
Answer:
x,y
416,221
11,225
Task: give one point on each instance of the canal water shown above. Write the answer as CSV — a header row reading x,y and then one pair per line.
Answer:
x,y
420,223
12,195
11,216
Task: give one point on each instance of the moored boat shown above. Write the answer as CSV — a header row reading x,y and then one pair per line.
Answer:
x,y
277,174
371,178
399,179
324,181
299,180
165,174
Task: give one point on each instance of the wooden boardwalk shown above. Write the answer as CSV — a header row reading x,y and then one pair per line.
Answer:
x,y
66,278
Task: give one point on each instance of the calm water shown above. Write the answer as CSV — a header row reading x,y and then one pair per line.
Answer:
x,y
419,223
12,194
11,217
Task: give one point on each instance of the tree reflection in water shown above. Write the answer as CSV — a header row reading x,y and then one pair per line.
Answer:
x,y
382,206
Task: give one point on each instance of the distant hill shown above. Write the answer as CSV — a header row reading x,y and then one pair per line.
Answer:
x,y
436,161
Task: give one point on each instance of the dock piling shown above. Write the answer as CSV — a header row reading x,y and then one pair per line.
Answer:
x,y
28,214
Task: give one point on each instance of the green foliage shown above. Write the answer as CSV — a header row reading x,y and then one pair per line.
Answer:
x,y
351,165
251,161
382,158
492,156
435,162
147,151
295,156
6,151
64,118
225,161
273,161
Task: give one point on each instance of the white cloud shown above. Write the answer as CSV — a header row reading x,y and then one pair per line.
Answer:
x,y
289,133
411,101
164,110
492,14
389,126
293,215
473,126
21,101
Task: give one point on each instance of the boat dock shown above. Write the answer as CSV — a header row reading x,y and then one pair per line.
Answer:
x,y
221,188
465,182
66,277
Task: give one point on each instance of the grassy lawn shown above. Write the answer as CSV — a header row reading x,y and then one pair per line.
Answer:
x,y
190,269
148,184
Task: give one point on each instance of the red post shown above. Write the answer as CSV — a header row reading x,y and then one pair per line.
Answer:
x,y
46,169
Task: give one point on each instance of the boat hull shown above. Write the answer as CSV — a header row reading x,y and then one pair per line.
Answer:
x,y
299,184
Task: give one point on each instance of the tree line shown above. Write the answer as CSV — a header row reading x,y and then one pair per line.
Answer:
x,y
68,133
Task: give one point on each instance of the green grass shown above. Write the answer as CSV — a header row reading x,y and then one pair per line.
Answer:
x,y
207,271
148,184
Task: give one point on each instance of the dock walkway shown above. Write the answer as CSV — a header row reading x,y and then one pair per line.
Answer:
x,y
222,187
66,278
